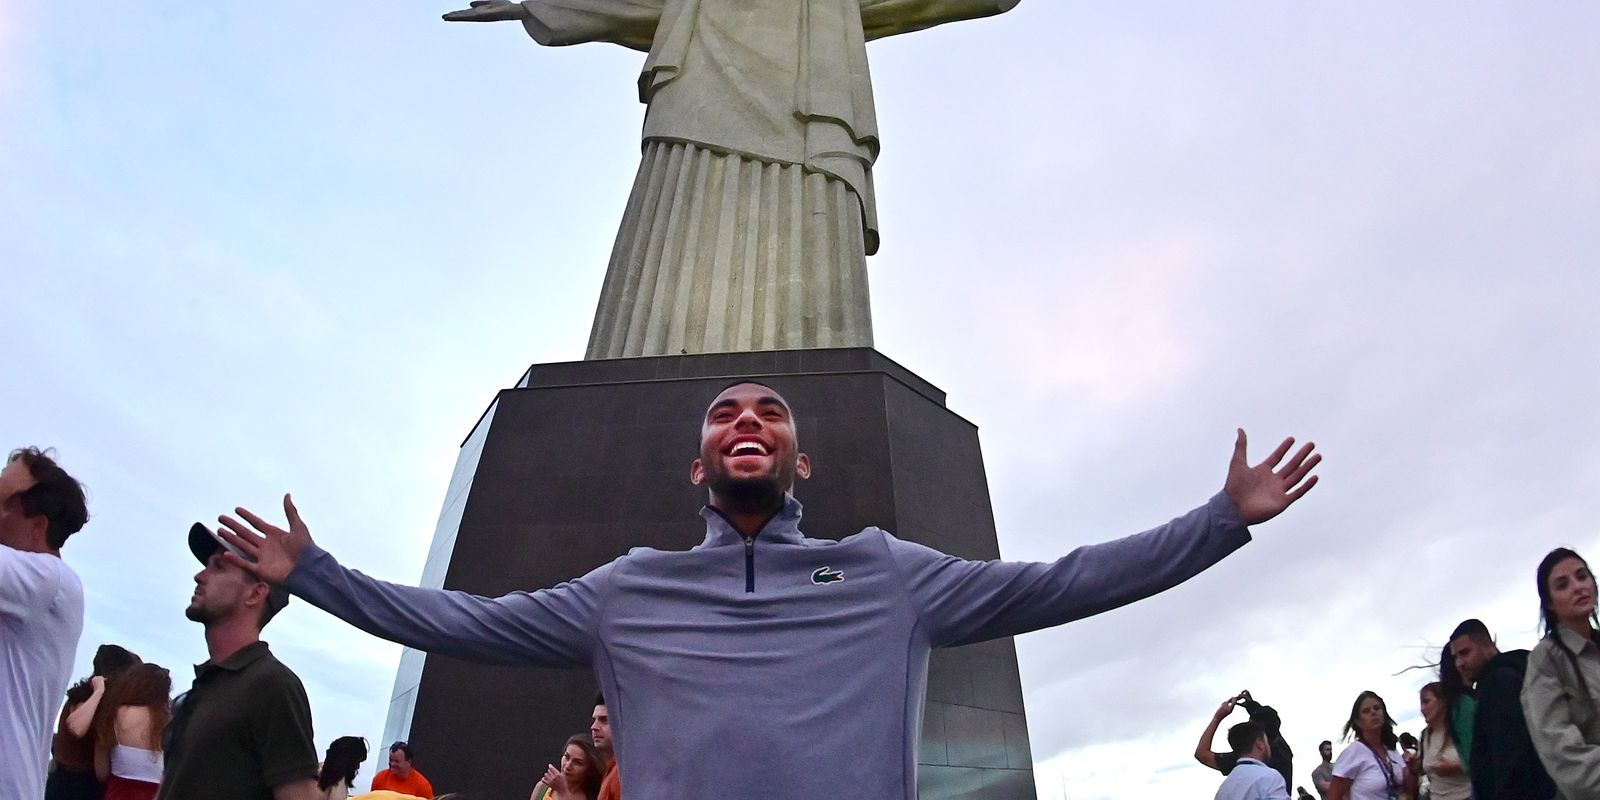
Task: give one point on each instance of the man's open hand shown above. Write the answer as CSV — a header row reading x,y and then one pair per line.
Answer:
x,y
488,11
1263,491
274,549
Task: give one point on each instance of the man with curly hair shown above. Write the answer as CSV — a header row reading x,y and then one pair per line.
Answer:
x,y
41,611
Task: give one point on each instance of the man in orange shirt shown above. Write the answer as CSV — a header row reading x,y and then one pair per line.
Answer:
x,y
401,776
600,734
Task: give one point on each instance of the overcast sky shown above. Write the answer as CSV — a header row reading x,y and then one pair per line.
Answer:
x,y
249,249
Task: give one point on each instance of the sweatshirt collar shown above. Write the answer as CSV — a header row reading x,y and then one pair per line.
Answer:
x,y
783,527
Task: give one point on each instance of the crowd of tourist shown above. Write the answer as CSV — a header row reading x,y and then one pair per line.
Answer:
x,y
243,729
1498,725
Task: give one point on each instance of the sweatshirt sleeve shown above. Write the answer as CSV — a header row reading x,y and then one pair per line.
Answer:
x,y
1573,763
962,602
546,628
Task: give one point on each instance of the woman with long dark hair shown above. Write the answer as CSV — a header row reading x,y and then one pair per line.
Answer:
x,y
1438,757
1561,688
1461,705
72,749
127,732
582,768
1371,767
339,767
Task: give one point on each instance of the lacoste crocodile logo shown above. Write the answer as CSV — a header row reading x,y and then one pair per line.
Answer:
x,y
824,575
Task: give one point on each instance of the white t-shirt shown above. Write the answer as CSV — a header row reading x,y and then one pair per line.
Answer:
x,y
1443,787
1366,773
41,618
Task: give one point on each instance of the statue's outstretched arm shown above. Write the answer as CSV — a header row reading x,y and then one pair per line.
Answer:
x,y
880,18
489,11
554,23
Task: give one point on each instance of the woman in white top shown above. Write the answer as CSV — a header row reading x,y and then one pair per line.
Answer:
x,y
1371,767
128,724
1439,758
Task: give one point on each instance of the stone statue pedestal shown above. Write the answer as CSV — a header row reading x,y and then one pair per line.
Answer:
x,y
582,461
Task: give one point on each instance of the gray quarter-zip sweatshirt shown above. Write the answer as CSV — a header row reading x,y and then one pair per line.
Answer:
x,y
779,667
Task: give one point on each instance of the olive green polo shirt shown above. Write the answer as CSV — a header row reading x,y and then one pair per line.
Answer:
x,y
244,728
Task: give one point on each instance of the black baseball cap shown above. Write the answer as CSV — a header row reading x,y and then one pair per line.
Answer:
x,y
204,543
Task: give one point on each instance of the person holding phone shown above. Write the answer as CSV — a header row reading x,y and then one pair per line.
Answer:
x,y
1281,758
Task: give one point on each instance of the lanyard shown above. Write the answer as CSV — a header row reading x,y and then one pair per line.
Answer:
x,y
1386,766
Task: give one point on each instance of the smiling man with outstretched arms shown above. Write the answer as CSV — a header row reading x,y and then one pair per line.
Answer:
x,y
724,665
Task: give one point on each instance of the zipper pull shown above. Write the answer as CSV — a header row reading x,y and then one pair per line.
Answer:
x,y
750,564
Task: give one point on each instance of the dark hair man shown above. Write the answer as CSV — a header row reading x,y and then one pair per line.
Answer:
x,y
1251,778
244,729
1322,776
41,611
1504,763
764,663
402,776
600,734
1281,758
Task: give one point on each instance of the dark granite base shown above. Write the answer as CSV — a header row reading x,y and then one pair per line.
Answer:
x,y
585,460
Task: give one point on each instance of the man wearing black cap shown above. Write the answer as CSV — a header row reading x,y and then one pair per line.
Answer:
x,y
244,729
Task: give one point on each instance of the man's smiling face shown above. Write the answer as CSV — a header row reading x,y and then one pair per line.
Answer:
x,y
749,450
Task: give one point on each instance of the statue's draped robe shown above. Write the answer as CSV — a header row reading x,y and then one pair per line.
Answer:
x,y
753,210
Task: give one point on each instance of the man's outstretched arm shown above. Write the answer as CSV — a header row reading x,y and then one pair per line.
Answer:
x,y
965,601
547,628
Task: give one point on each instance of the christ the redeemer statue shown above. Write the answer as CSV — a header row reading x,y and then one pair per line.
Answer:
x,y
753,213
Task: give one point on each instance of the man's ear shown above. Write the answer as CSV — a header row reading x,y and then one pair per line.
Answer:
x,y
257,596
697,472
802,467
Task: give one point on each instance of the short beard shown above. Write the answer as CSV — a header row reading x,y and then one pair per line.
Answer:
x,y
197,613
748,496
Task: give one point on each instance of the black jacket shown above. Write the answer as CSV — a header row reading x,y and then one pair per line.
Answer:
x,y
1504,764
